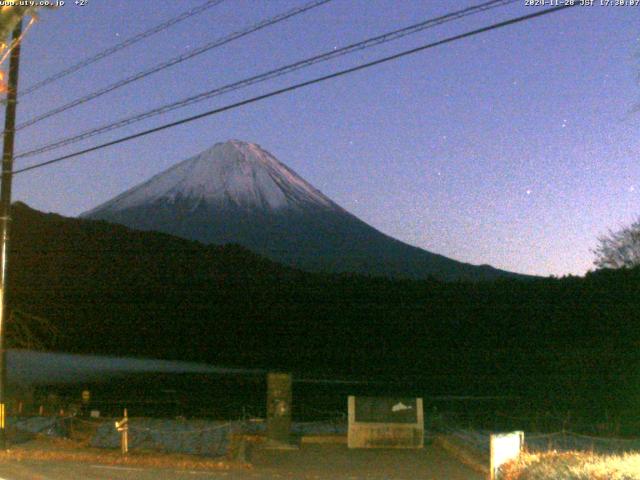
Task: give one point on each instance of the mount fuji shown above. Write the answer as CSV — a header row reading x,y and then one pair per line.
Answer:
x,y
236,192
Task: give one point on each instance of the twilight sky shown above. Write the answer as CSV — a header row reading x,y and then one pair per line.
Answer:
x,y
515,148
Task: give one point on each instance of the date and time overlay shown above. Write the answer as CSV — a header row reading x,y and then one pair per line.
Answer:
x,y
582,3
527,3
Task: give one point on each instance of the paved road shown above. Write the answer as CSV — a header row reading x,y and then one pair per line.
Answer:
x,y
312,462
30,470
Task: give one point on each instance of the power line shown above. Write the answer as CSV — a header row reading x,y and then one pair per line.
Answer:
x,y
332,54
298,86
174,61
120,46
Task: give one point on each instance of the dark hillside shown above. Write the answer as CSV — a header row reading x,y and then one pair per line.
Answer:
x,y
117,291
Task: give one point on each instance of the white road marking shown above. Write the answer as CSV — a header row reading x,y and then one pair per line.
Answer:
x,y
107,467
201,472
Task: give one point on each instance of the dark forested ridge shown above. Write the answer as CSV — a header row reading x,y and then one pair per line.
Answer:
x,y
113,290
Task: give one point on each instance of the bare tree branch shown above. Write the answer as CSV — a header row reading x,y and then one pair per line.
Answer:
x,y
30,331
619,249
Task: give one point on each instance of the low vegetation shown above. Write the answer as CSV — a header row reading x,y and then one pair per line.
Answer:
x,y
573,466
46,449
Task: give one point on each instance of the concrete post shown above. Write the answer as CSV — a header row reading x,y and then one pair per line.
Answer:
x,y
279,408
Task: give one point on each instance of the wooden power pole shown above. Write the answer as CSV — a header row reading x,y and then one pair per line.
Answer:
x,y
5,216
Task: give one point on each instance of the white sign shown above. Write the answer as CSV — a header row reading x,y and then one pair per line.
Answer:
x,y
504,448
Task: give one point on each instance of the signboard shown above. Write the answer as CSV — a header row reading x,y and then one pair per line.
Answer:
x,y
504,447
386,410
376,422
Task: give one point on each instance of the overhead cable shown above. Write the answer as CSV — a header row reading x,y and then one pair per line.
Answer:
x,y
297,86
330,55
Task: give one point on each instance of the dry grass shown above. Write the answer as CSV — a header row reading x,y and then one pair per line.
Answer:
x,y
573,466
62,450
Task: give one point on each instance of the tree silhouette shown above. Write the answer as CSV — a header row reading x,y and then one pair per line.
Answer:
x,y
30,332
619,249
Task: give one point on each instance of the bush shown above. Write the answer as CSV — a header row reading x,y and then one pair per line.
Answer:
x,y
573,466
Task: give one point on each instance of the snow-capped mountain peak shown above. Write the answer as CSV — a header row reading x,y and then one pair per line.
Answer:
x,y
233,173
236,192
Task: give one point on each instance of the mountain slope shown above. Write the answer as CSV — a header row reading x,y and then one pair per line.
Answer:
x,y
236,192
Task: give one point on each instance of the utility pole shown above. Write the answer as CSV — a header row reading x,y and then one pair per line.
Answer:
x,y
5,216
